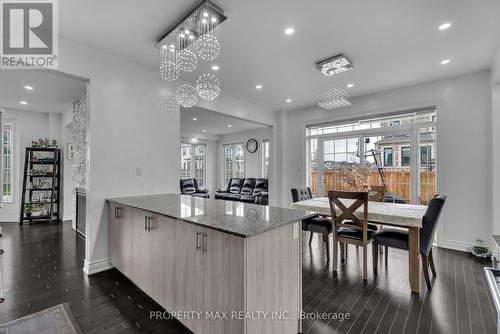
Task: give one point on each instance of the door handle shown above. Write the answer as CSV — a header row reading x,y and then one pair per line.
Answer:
x,y
198,247
204,242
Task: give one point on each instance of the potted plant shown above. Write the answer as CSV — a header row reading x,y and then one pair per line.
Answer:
x,y
480,250
28,208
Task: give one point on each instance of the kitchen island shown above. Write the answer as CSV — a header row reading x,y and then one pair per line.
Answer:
x,y
217,266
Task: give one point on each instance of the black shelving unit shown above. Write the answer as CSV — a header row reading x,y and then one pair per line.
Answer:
x,y
52,157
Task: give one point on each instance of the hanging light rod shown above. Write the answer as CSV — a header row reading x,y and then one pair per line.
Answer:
x,y
189,22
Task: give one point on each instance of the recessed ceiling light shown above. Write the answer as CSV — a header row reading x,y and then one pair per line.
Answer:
x,y
28,87
445,26
445,61
23,102
195,119
258,87
350,85
289,31
229,125
288,100
215,67
204,130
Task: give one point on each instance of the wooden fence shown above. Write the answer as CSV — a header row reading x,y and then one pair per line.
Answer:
x,y
398,182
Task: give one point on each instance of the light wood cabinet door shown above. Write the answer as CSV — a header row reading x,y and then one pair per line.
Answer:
x,y
162,261
141,249
223,280
125,244
188,295
113,235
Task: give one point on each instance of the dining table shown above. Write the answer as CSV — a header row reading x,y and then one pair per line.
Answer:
x,y
407,216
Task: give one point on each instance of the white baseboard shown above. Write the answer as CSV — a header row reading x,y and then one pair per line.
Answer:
x,y
94,267
455,245
9,219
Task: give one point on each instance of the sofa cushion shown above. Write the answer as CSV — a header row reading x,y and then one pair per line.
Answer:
x,y
247,198
261,185
234,197
222,195
236,184
248,186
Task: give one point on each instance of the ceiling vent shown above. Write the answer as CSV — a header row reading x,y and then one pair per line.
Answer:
x,y
334,65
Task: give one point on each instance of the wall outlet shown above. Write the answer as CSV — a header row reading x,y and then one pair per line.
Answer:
x,y
138,171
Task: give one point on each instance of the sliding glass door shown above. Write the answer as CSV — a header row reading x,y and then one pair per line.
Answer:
x,y
397,152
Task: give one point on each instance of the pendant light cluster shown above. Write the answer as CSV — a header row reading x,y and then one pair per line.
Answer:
x,y
183,46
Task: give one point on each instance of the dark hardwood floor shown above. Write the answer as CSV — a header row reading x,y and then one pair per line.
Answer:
x,y
42,267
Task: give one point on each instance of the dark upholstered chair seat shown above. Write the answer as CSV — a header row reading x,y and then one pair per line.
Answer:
x,y
392,237
315,224
319,224
354,234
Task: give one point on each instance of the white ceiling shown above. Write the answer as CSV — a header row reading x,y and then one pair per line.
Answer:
x,y
214,123
52,92
392,43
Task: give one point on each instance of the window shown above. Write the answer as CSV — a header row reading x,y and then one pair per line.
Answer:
x,y
405,156
193,162
388,156
425,155
265,158
7,163
234,161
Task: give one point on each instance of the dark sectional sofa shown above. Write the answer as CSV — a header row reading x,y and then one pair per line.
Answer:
x,y
247,190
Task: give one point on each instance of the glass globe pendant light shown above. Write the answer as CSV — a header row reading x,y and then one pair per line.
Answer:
x,y
208,86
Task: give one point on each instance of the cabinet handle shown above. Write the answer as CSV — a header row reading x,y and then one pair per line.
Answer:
x,y
149,223
145,223
118,211
116,215
204,241
198,247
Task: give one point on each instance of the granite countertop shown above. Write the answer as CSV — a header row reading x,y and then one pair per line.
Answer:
x,y
240,219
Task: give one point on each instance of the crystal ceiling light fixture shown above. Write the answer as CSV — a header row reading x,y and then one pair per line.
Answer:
x,y
334,65
208,86
335,98
186,96
195,31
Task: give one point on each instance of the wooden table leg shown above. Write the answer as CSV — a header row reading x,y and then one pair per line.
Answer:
x,y
413,255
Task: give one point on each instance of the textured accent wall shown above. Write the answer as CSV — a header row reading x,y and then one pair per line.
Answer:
x,y
80,142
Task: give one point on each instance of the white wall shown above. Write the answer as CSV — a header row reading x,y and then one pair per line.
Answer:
x,y
126,131
253,161
464,138
496,155
28,125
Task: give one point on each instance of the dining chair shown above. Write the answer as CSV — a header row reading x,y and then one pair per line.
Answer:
x,y
398,238
348,228
377,193
316,224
